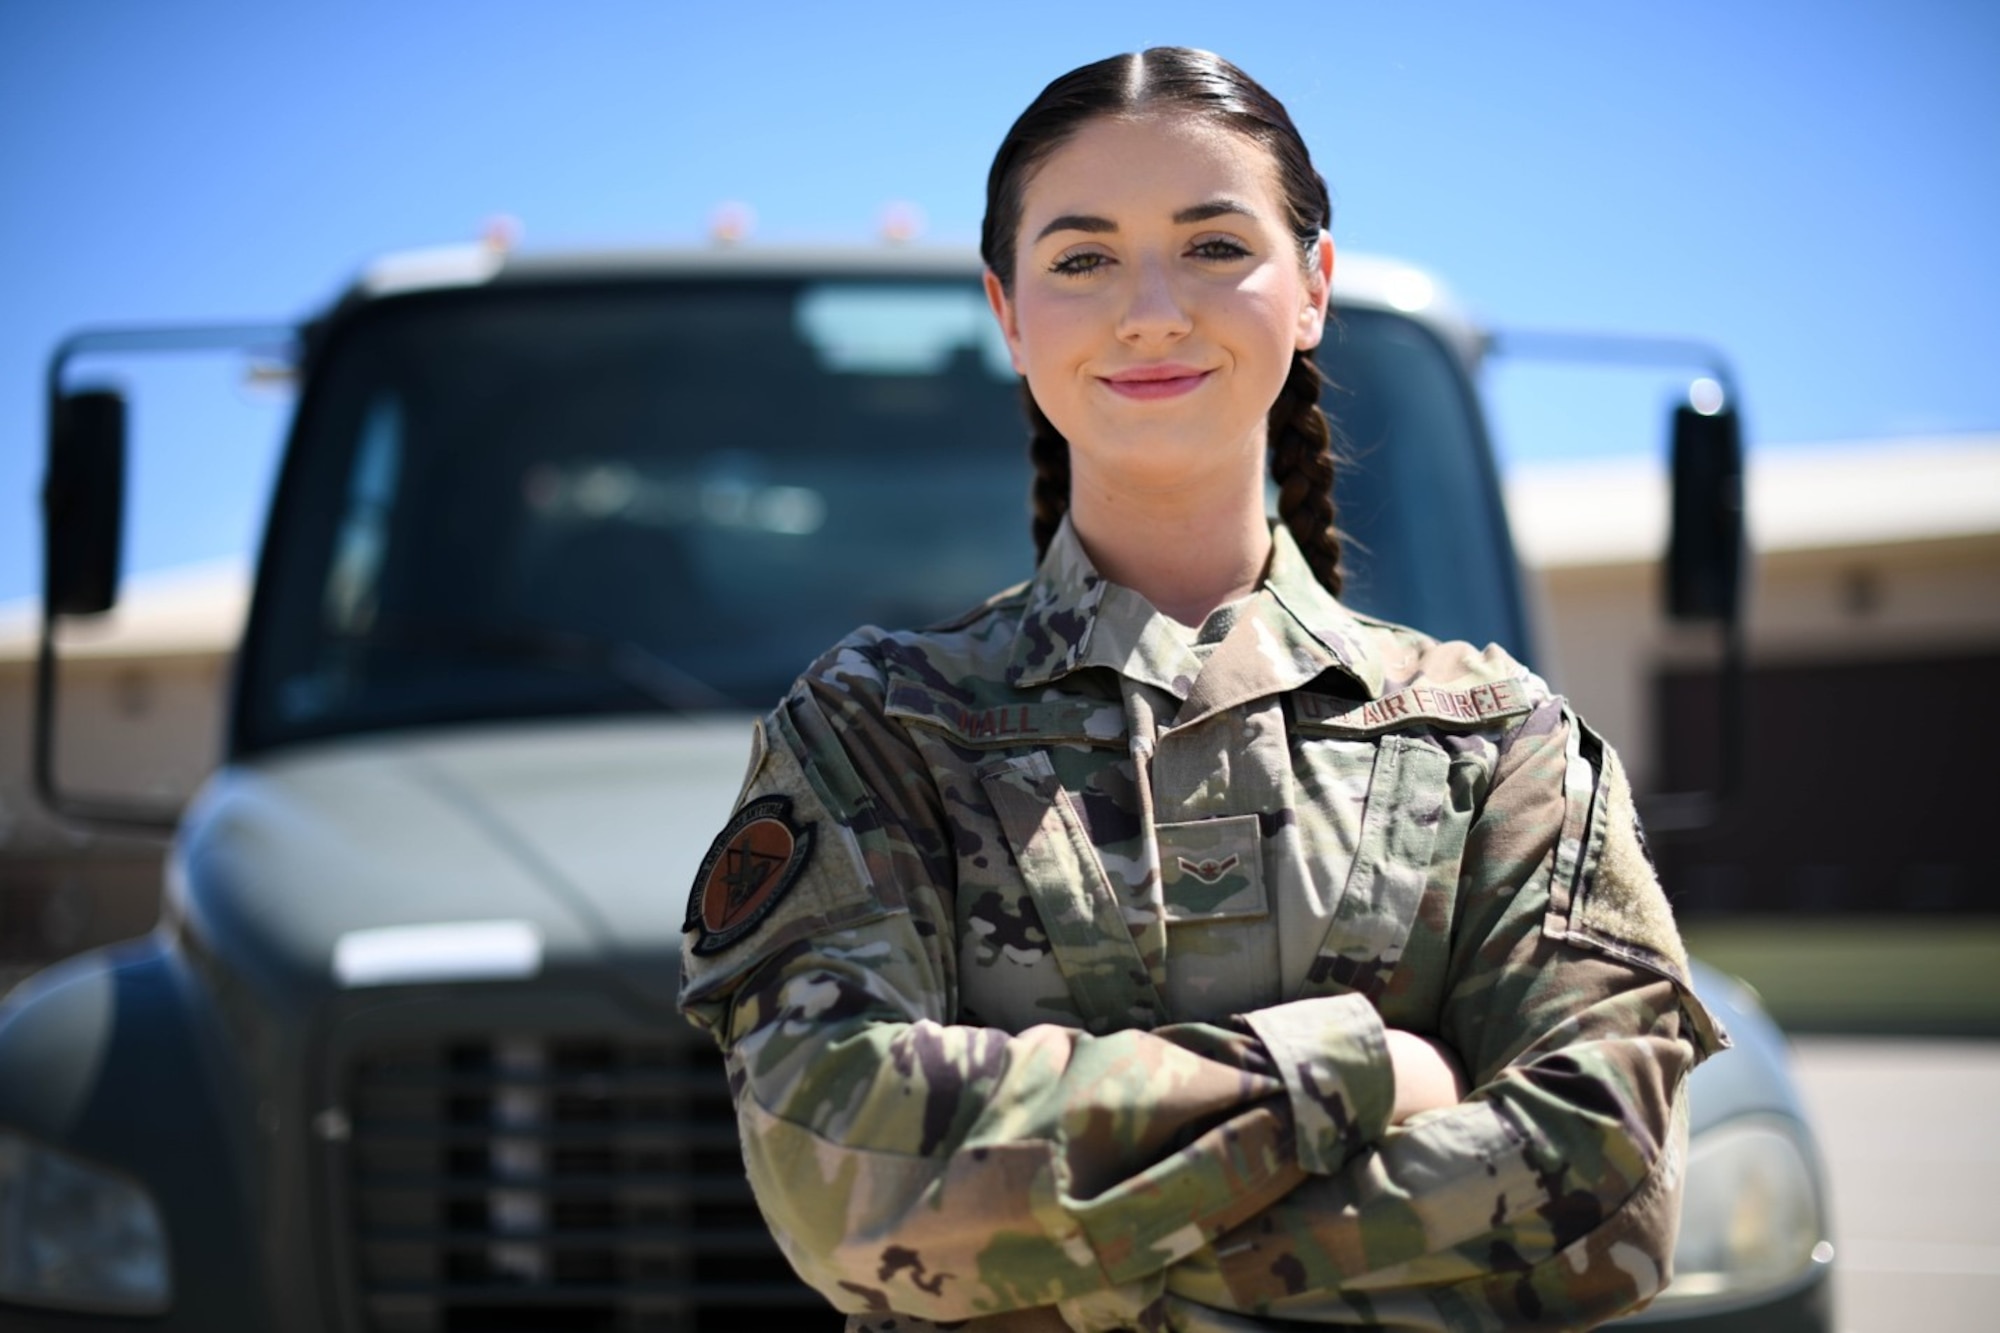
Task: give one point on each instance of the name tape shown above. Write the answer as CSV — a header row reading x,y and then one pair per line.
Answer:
x,y
1064,719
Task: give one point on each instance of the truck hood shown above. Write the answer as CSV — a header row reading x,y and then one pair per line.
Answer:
x,y
579,839
586,836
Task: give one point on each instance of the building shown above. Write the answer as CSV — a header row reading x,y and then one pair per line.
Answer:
x,y
140,717
1873,632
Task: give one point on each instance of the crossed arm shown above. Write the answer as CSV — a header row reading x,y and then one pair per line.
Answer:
x,y
913,1164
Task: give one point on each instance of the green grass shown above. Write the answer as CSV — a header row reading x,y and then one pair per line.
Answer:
x,y
1863,974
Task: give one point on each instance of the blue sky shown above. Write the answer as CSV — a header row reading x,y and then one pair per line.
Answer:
x,y
1814,186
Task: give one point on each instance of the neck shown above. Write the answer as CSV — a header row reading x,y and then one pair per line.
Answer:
x,y
1186,551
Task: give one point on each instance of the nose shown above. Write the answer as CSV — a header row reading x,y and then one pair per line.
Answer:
x,y
1154,310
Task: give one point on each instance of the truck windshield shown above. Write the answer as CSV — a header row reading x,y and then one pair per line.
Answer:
x,y
547,501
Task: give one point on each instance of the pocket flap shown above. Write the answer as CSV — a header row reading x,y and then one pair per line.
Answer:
x,y
1407,795
1107,974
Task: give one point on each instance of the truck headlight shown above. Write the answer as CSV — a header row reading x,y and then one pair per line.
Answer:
x,y
1750,1219
74,1236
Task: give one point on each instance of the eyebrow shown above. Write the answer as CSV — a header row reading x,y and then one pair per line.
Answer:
x,y
1214,208
1086,222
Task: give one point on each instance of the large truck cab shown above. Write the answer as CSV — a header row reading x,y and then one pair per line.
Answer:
x,y
403,1053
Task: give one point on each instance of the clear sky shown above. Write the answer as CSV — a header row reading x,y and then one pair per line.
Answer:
x,y
1815,186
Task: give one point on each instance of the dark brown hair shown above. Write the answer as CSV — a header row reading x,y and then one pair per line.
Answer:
x,y
1301,439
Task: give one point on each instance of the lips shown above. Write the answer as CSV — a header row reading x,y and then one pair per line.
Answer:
x,y
1166,380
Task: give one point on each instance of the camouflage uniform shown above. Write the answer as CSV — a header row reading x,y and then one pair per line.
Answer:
x,y
1063,1006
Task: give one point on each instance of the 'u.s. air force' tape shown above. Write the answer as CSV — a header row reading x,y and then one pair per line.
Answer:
x,y
753,862
1475,706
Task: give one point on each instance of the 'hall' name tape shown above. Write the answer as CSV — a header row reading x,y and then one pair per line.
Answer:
x,y
1077,720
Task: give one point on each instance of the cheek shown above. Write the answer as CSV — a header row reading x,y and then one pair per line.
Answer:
x,y
1273,302
1269,322
1050,328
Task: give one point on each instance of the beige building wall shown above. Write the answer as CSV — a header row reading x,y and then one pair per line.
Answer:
x,y
139,719
142,730
1607,636
1884,552
140,696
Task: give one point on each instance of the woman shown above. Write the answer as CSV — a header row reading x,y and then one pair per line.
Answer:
x,y
1161,944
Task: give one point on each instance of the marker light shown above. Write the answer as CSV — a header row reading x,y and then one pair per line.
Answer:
x,y
500,234
902,222
1705,396
730,223
446,951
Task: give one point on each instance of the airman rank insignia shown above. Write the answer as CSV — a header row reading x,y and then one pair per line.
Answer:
x,y
1210,871
752,864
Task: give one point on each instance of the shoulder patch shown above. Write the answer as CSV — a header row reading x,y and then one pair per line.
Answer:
x,y
1474,707
752,864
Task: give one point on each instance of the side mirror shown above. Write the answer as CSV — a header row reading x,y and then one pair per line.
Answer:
x,y
83,503
1705,546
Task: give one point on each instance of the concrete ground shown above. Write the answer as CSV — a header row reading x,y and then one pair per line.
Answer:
x,y
1910,1128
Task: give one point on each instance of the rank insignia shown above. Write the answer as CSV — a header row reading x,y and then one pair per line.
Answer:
x,y
752,865
1210,871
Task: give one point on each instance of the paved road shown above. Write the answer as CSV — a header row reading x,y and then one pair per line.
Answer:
x,y
1911,1132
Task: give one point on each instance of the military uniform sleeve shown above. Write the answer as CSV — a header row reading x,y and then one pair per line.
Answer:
x,y
907,1162
1548,1198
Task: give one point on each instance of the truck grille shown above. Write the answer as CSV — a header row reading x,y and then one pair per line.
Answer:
x,y
550,1184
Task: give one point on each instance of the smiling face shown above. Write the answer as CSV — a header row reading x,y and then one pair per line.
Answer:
x,y
1158,297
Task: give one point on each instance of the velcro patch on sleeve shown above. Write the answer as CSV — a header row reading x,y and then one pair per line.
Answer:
x,y
750,867
1617,902
1472,707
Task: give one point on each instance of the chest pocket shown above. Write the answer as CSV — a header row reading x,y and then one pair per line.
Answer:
x,y
1408,801
1108,976
1222,932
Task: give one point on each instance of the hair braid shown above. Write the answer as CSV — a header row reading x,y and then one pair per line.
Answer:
x,y
1049,452
1301,442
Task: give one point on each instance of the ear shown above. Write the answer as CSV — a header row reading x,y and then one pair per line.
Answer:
x,y
1003,311
1319,288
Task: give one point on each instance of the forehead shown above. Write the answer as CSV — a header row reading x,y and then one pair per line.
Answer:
x,y
1118,166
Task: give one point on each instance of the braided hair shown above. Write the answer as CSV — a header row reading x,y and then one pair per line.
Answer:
x,y
1300,437
1049,452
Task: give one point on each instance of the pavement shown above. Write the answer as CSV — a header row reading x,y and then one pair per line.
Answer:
x,y
1910,1129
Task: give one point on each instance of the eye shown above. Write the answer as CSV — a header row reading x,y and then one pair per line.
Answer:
x,y
1219,247
1079,262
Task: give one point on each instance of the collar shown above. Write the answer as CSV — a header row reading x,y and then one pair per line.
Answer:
x,y
1285,634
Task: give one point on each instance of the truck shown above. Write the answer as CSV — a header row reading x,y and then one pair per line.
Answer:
x,y
402,1054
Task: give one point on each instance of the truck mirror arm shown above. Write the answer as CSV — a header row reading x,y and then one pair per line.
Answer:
x,y
1707,537
64,590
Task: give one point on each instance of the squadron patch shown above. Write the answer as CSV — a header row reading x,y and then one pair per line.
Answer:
x,y
753,863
